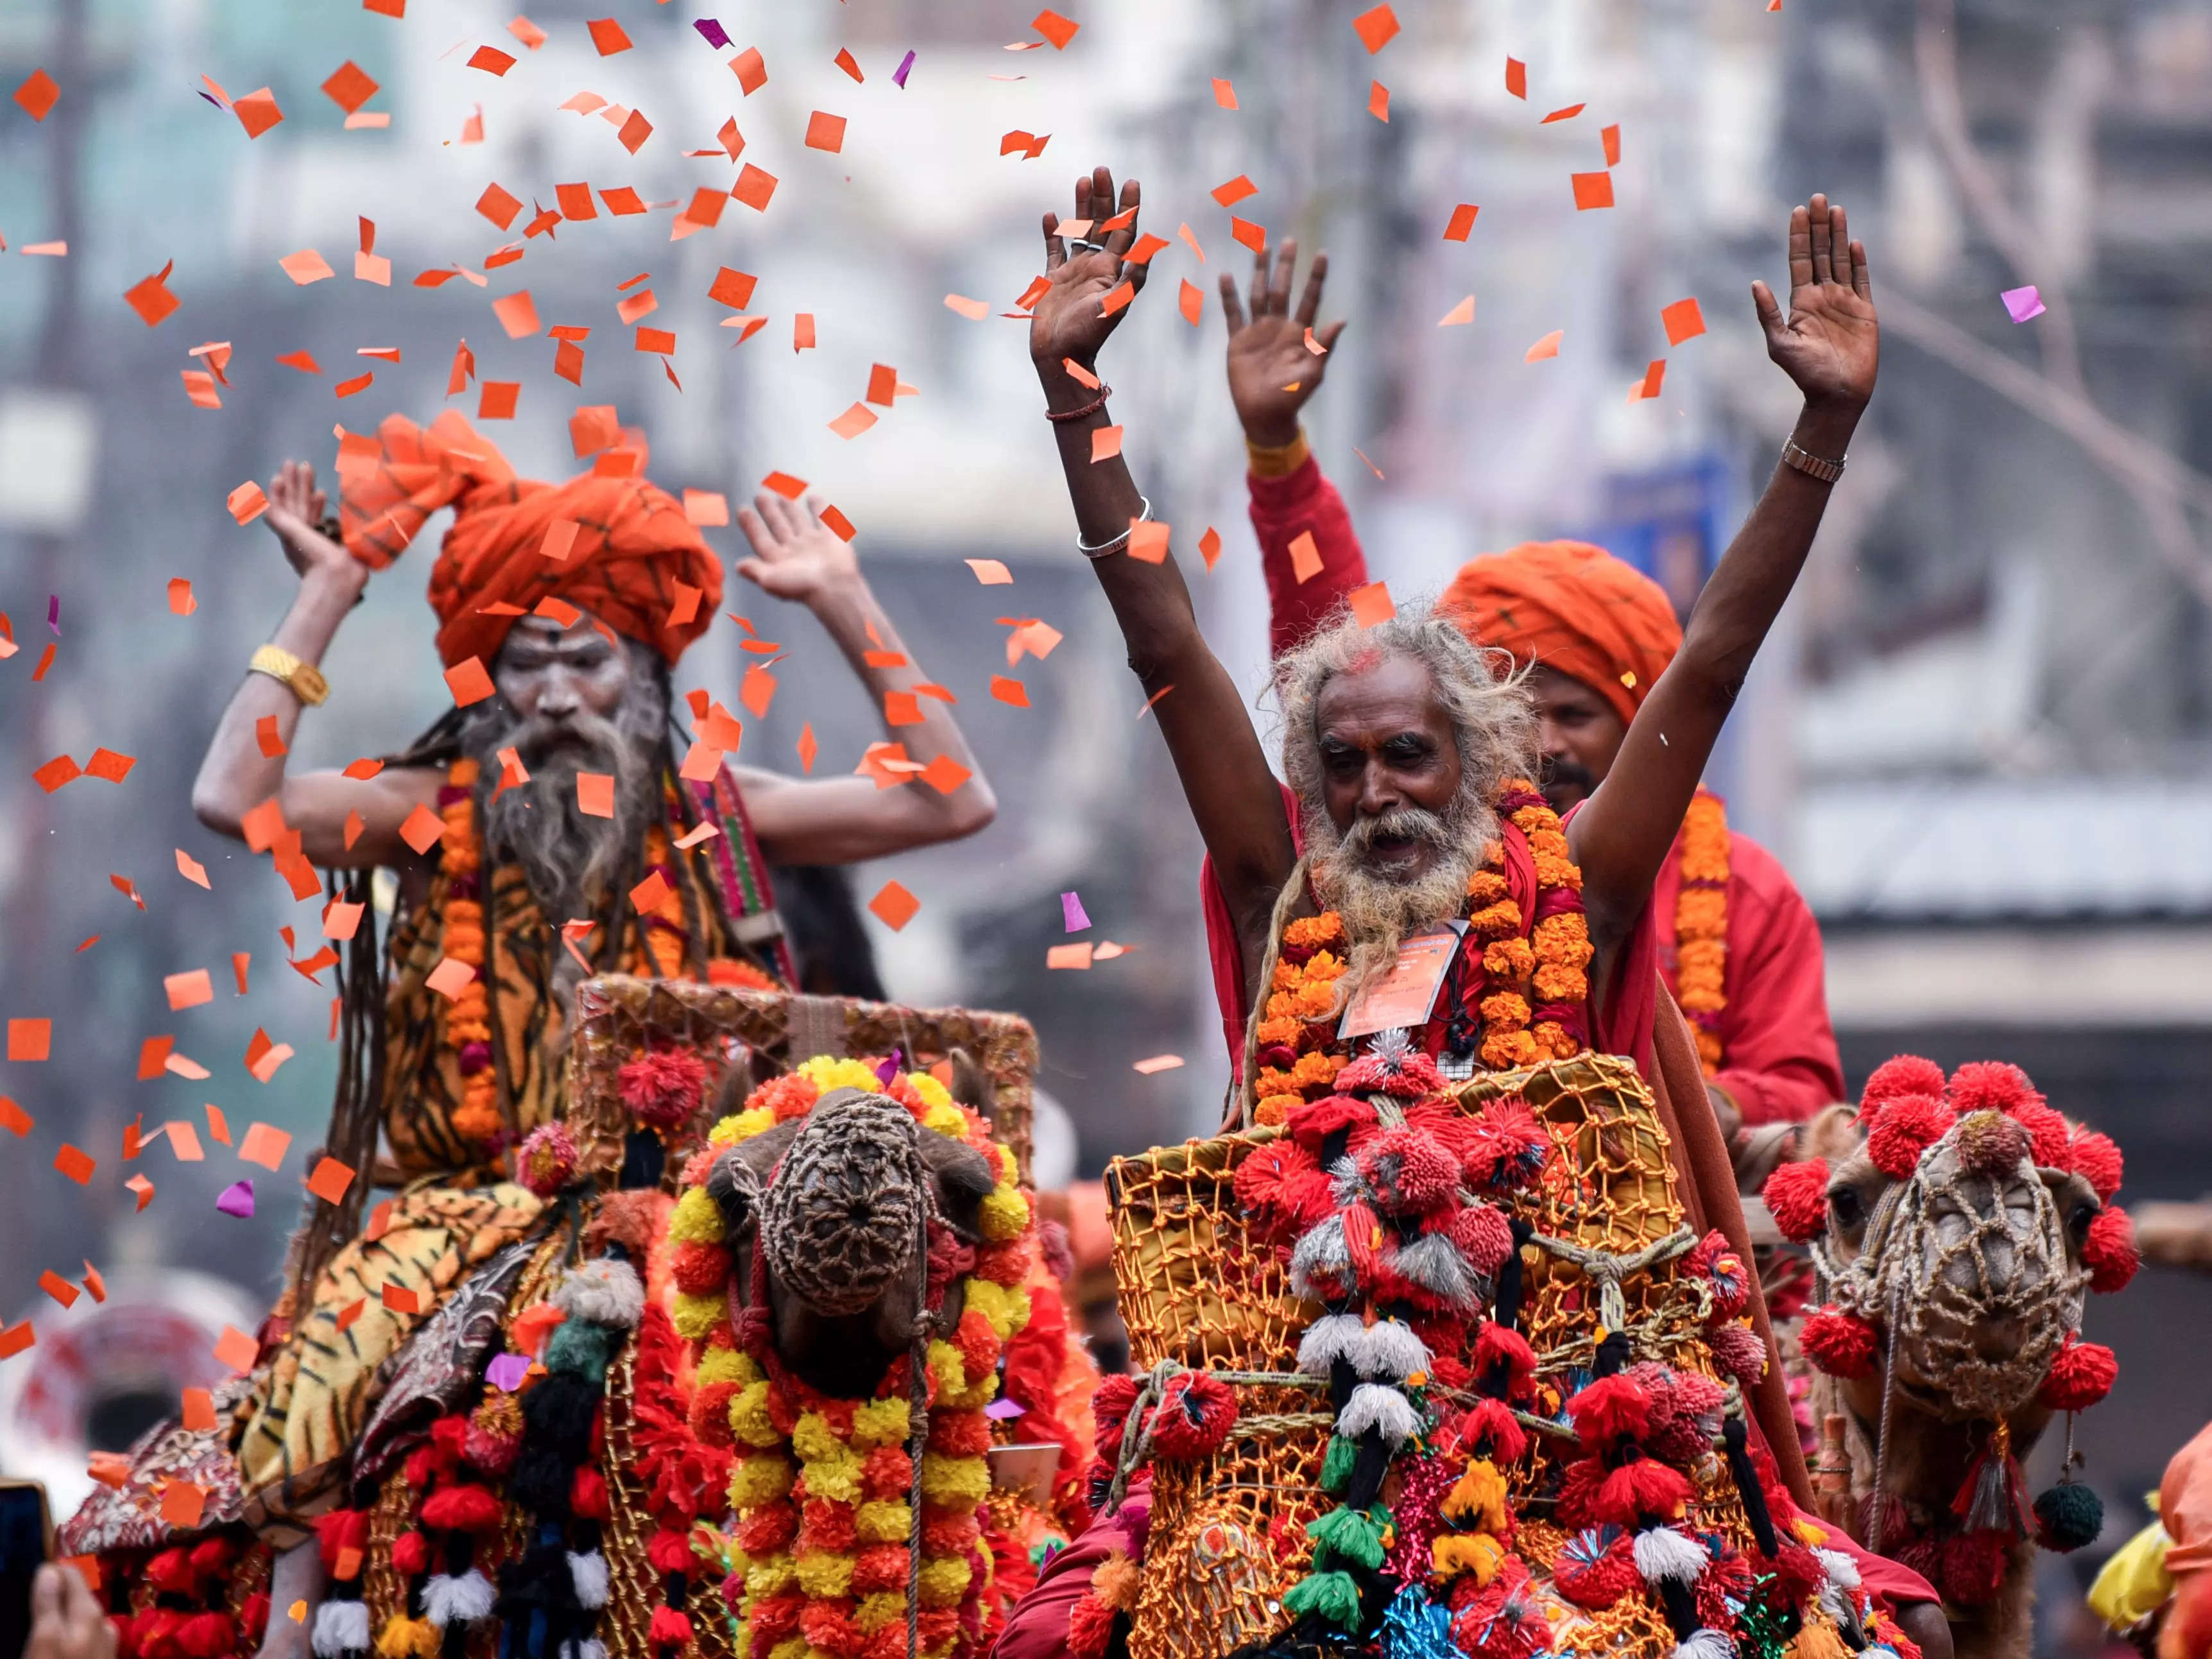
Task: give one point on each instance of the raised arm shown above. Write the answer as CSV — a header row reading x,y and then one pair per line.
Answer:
x,y
844,820
1217,753
1276,359
1828,344
239,774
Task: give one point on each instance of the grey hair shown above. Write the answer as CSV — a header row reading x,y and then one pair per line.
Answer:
x,y
1482,692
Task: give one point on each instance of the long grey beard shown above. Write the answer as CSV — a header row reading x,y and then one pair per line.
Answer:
x,y
1379,911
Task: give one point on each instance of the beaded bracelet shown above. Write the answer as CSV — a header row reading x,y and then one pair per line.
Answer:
x,y
1090,408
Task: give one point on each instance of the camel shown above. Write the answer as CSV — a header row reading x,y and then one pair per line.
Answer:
x,y
1956,1226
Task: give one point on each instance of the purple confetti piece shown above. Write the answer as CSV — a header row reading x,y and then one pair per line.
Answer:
x,y
1002,1409
54,613
1070,912
2023,303
887,1074
237,1200
898,74
506,1372
712,29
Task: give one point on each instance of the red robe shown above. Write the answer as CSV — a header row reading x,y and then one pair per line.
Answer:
x,y
1780,1061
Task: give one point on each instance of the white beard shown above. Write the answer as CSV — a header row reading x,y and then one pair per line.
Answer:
x,y
1379,911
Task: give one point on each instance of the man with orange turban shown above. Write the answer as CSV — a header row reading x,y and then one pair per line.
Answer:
x,y
1734,939
554,823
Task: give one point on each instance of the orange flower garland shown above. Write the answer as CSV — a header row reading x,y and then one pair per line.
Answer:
x,y
1701,924
1534,986
468,1016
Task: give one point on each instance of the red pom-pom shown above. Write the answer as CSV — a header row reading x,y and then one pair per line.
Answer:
x,y
1972,1568
2109,1252
1990,1144
2047,1132
1483,1235
949,1534
880,1567
1592,1493
410,1553
1090,1627
254,1618
461,1508
170,1571
154,1632
1197,1411
886,1472
1410,1172
1505,1147
339,1531
212,1556
1905,1127
1610,1410
1991,1086
1903,1074
1111,1400
769,1529
1492,1421
2081,1373
1798,1572
668,1550
1311,1124
830,1629
959,1434
587,1494
710,1414
2096,1158
661,1089
126,1635
1841,1344
978,1345
1595,1569
207,1636
1503,1354
699,1268
668,1628
1797,1195
776,1618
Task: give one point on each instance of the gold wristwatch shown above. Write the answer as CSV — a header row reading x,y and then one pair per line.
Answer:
x,y
303,679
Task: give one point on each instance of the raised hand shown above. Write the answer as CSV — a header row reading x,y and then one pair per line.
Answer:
x,y
1070,320
1830,343
1272,369
295,515
796,554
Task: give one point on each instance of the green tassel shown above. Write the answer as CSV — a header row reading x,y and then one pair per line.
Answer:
x,y
578,1345
1336,1467
1349,1534
1334,1595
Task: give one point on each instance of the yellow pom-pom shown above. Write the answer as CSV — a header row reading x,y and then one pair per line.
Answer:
x,y
696,1219
825,1074
794,1648
879,1423
1007,1310
945,1361
884,1521
974,1399
944,1581
1005,1214
812,1438
1478,1498
725,1365
1118,1581
823,1575
946,1120
695,1315
934,1094
761,1479
837,1479
1456,1552
879,1608
770,1575
950,1481
741,1645
741,1126
403,1637
748,1416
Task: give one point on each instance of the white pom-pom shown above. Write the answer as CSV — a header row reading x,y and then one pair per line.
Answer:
x,y
341,1627
1389,1351
1321,1250
1376,1406
1843,1572
607,1291
589,1573
1704,1643
1434,1262
449,1601
1327,1339
1663,1553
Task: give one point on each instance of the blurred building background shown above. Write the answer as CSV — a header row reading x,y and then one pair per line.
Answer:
x,y
1979,738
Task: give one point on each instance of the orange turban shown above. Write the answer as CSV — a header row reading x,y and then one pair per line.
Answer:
x,y
633,544
1573,607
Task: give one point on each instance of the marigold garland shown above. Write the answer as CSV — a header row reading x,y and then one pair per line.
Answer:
x,y
1528,983
822,1486
1701,925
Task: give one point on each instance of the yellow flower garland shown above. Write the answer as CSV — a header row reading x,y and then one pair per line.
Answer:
x,y
821,1486
1701,925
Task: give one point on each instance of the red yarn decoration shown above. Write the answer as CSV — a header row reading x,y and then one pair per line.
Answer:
x,y
207,1636
699,1268
1090,1627
1905,1126
1494,1420
336,1533
1841,1344
1991,1086
1196,1413
2047,1130
1495,1345
668,1628
171,1572
587,1494
2096,1158
1608,1410
1596,1583
2081,1374
2109,1252
1973,1567
668,1550
411,1555
1263,1185
1797,1195
1990,1144
461,1508
661,1089
1902,1074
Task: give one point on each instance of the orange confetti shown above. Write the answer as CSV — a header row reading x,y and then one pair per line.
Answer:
x,y
754,188
1683,320
1235,190
608,36
1593,190
845,61
751,70
825,132
894,906
1055,28
151,298
1462,220
30,1039
517,315
1077,955
1378,100
1376,28
1371,604
1460,313
469,682
491,60
38,94
330,1180
1224,93
305,267
1567,114
1517,77
1546,347
1611,138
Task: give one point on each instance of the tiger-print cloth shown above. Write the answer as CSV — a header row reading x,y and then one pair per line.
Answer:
x,y
423,1075
310,1400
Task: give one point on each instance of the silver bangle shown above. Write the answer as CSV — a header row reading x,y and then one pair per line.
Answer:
x,y
1119,541
1795,454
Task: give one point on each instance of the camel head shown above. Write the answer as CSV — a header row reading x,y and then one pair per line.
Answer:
x,y
1956,1225
841,1208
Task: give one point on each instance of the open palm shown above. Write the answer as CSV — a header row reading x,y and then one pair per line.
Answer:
x,y
1071,319
1272,369
1830,343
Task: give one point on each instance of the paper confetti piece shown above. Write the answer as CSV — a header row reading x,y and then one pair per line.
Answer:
x,y
1305,557
1225,94
1010,691
1371,605
1517,77
1683,320
1378,100
196,872
507,1371
894,906
1068,956
491,60
1592,189
142,1188
199,1409
305,266
330,1180
1546,347
58,1288
235,1349
14,1118
905,68
1460,313
29,1039
151,298
517,315
1190,300
825,132
1235,190
1610,136
1462,220
1055,28
1376,28
264,1145
182,1502
991,572
1073,917
1209,546
2023,303
38,94
236,1200
1567,114
1158,1064
14,1338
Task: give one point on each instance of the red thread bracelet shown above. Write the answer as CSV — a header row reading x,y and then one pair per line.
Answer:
x,y
1090,408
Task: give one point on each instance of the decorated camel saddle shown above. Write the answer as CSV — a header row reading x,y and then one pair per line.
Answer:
x,y
781,1369
1436,1368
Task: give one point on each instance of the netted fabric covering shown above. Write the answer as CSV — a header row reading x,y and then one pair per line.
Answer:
x,y
1227,1532
769,1032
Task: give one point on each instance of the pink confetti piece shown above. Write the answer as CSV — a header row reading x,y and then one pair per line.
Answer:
x,y
237,1200
898,74
2023,303
507,1371
1070,911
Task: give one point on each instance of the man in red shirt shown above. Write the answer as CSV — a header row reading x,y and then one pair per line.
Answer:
x,y
1737,944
